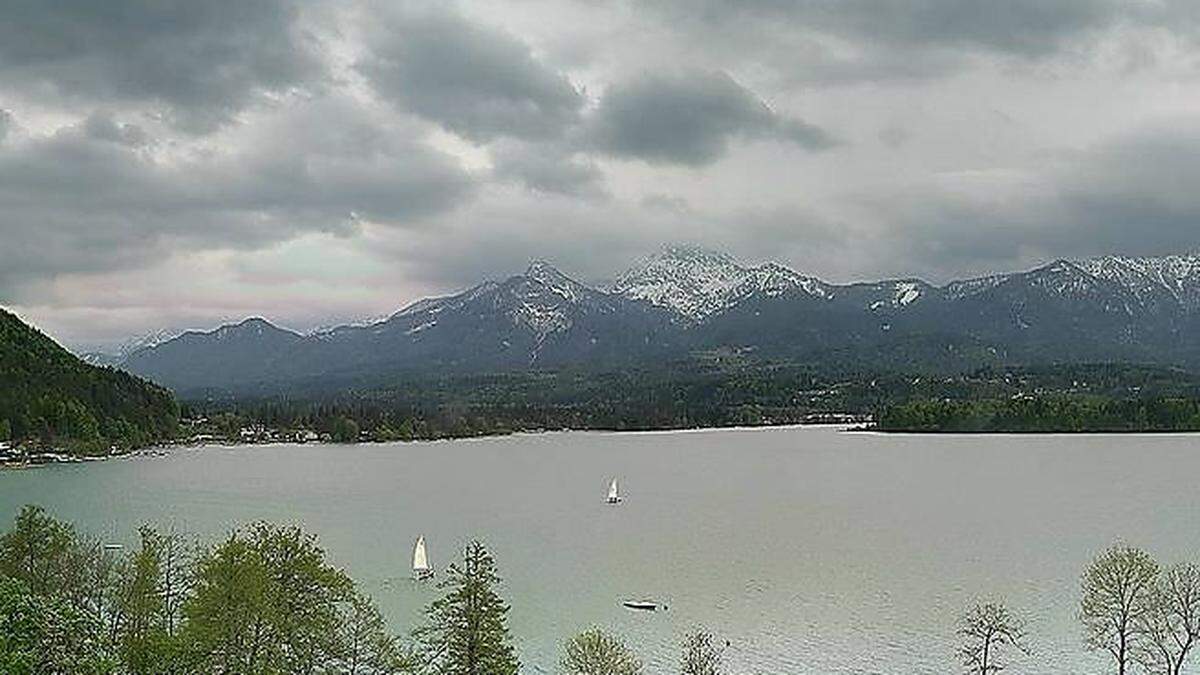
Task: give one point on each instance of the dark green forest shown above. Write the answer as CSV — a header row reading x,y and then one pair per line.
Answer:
x,y
1048,414
680,396
51,398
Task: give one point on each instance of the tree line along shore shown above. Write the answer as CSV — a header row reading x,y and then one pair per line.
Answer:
x,y
53,407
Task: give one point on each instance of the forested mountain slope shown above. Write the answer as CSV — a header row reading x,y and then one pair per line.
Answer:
x,y
50,396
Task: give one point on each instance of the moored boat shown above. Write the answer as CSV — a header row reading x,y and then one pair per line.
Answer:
x,y
643,605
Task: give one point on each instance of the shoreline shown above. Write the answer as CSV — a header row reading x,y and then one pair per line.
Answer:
x,y
51,458
46,459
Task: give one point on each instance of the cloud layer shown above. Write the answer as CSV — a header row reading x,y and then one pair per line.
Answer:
x,y
176,163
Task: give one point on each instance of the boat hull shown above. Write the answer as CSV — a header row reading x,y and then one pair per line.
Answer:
x,y
642,606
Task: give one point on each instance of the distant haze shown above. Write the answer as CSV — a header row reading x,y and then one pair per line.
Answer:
x,y
172,165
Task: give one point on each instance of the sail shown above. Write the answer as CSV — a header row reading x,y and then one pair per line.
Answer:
x,y
420,558
613,493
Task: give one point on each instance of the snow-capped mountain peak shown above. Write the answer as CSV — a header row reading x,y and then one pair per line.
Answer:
x,y
696,283
552,279
1151,278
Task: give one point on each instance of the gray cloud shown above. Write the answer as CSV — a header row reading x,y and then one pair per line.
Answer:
x,y
203,60
548,168
92,197
846,41
222,147
478,82
1133,195
1024,27
690,119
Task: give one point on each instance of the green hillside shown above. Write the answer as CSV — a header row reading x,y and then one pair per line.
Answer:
x,y
50,397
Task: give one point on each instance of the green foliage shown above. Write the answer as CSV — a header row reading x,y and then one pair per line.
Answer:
x,y
1044,414
1118,594
149,590
45,634
713,395
345,430
50,397
265,601
39,551
594,652
364,644
466,631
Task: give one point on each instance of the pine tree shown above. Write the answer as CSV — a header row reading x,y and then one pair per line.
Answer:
x,y
467,633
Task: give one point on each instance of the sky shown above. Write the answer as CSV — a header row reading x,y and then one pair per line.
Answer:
x,y
177,164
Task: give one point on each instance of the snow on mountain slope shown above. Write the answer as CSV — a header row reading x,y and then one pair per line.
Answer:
x,y
1149,278
115,355
697,283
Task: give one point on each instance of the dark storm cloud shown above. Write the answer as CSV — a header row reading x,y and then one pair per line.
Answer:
x,y
478,82
203,60
689,119
93,197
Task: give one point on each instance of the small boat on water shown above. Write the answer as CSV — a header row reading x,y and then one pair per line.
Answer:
x,y
643,605
421,568
614,493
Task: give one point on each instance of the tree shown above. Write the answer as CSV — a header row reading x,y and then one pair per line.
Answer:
x,y
345,430
1172,626
265,601
1118,592
37,551
701,655
466,631
594,652
44,634
150,591
365,646
987,630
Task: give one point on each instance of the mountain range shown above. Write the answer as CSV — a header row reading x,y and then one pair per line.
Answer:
x,y
687,303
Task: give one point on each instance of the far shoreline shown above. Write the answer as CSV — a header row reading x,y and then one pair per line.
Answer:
x,y
53,458
164,450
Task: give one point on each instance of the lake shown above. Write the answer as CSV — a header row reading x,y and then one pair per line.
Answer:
x,y
810,549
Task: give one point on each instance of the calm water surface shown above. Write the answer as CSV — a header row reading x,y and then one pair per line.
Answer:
x,y
811,550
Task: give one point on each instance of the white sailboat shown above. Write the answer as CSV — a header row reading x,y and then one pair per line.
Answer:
x,y
614,493
421,568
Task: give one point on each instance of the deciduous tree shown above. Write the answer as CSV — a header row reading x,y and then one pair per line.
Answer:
x,y
701,655
1172,625
988,631
594,652
1118,593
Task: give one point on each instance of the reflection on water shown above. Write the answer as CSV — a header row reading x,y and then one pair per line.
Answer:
x,y
812,550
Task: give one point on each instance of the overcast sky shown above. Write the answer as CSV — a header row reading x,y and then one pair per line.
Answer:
x,y
179,163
